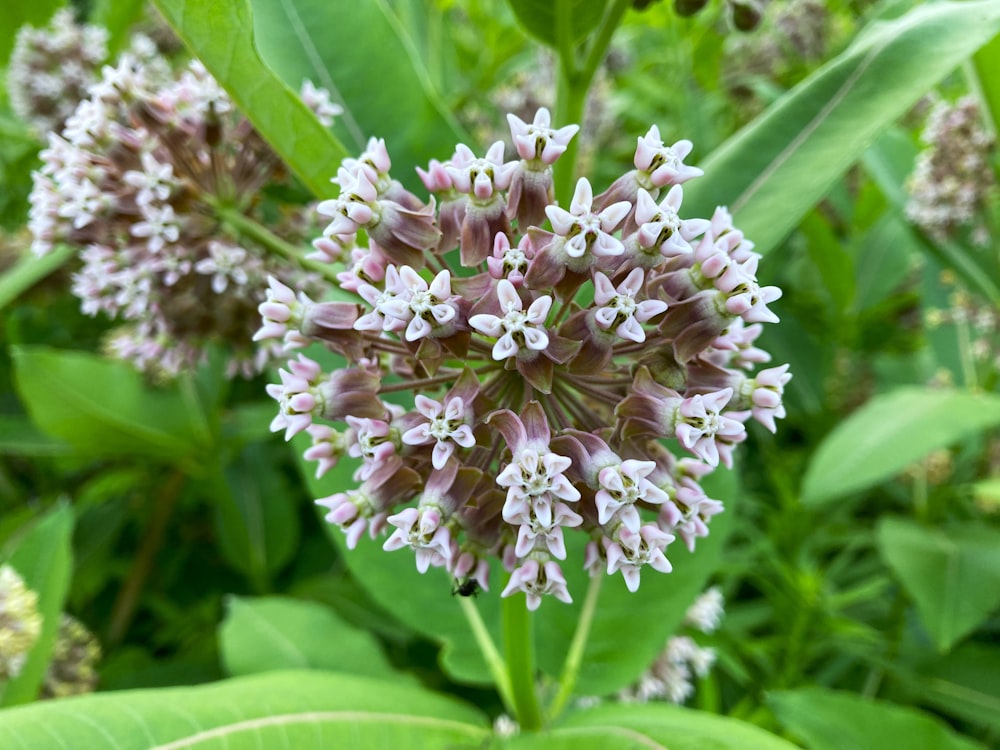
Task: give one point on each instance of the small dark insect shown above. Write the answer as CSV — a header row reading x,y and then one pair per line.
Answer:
x,y
468,587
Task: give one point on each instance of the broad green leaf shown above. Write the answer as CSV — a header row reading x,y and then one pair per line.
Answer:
x,y
781,164
886,255
272,633
986,63
19,437
657,727
831,720
345,47
889,433
220,34
953,574
29,271
831,260
539,17
44,559
117,16
13,15
963,684
256,515
106,407
298,709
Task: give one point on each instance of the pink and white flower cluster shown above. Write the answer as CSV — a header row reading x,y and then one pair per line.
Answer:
x,y
552,353
135,181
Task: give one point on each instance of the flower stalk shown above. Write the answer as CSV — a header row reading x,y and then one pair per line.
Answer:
x,y
519,647
574,657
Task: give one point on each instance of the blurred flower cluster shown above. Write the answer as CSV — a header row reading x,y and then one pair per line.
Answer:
x,y
150,179
73,668
20,622
545,367
670,676
952,178
51,68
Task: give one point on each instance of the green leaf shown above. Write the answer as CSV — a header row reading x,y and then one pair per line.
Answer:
x,y
654,726
299,709
889,433
963,684
256,516
986,62
340,46
885,256
19,437
106,407
29,271
13,15
953,574
273,633
538,17
44,559
117,16
781,164
221,36
830,720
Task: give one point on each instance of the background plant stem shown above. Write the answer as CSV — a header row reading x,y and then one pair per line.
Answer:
x,y
130,592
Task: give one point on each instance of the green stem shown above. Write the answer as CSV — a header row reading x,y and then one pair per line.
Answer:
x,y
271,242
491,656
519,646
574,83
131,591
574,658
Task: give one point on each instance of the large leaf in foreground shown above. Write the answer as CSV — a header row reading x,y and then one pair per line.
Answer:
x,y
650,726
781,164
43,557
889,433
278,709
220,34
106,407
363,54
269,633
830,720
953,574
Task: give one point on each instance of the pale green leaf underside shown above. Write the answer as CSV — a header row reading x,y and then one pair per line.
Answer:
x,y
783,163
889,433
274,710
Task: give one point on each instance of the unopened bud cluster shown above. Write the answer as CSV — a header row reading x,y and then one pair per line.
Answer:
x,y
20,622
552,354
138,180
73,666
51,68
953,175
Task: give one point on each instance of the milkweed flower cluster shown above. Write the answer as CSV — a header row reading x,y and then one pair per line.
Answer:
x,y
51,68
140,181
20,622
73,667
549,367
953,176
671,675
